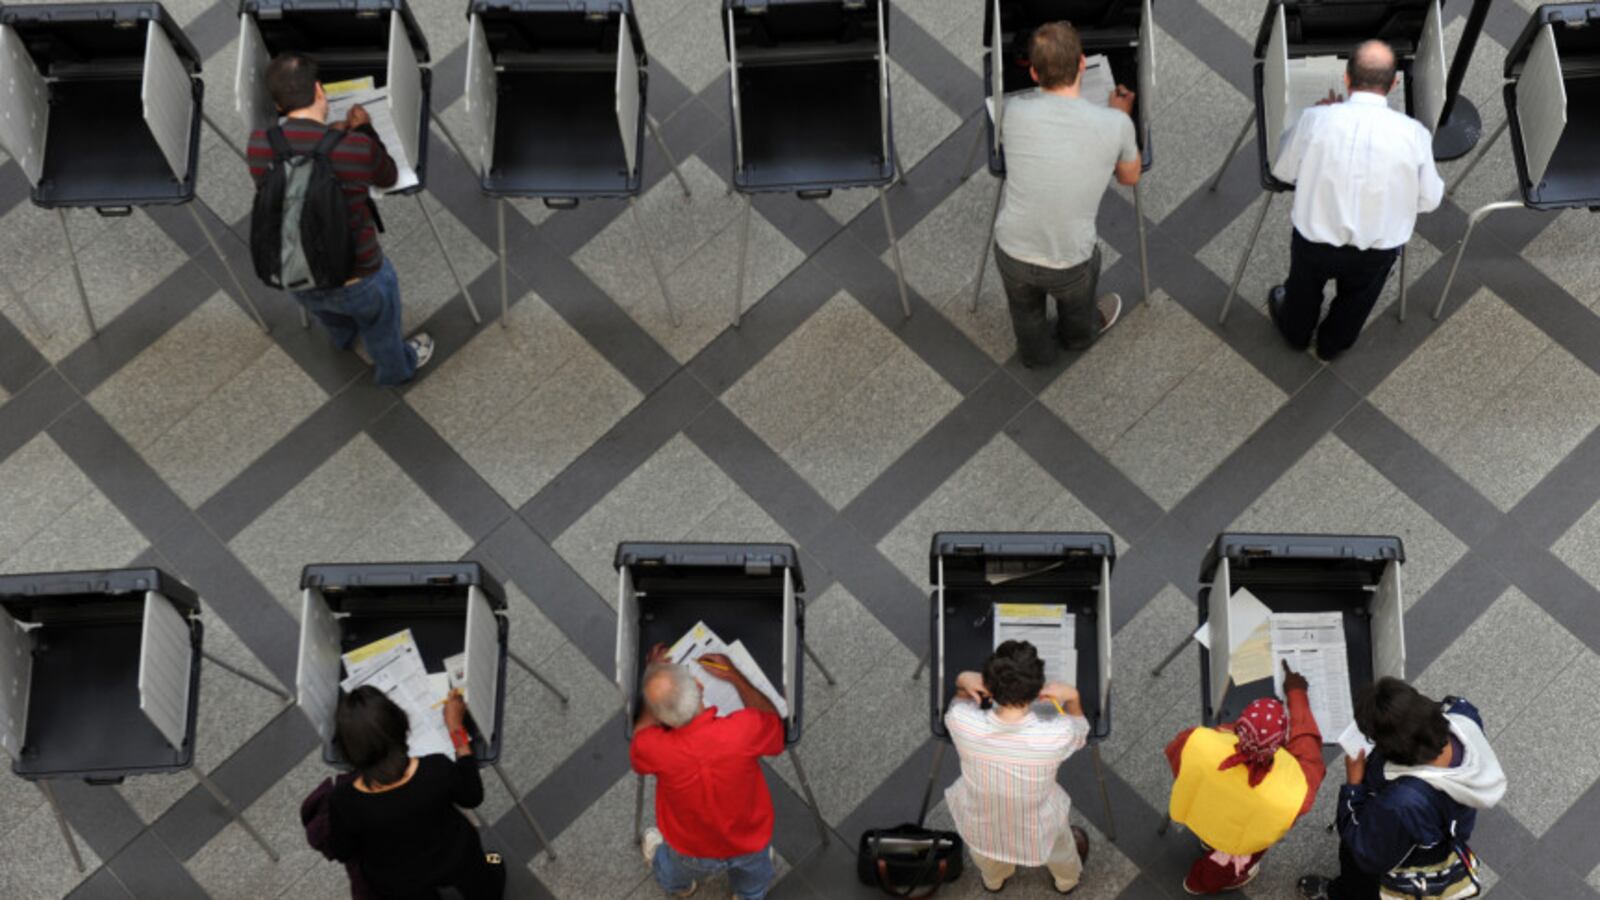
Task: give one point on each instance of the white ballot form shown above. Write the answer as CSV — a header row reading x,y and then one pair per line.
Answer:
x,y
25,114
1541,103
1049,627
378,102
165,658
168,99
1096,81
701,640
16,682
483,86
394,666
628,95
250,98
1353,742
1313,645
1428,70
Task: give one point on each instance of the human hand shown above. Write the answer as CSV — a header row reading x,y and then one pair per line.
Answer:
x,y
1355,769
657,654
1330,99
1292,680
970,686
719,666
1122,98
1059,692
358,116
455,711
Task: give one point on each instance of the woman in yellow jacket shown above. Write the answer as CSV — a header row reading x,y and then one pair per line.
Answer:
x,y
1240,787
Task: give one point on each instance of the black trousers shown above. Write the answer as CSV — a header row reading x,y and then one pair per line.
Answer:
x,y
1359,275
473,876
1352,883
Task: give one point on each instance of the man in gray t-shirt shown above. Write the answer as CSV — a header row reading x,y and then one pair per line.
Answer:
x,y
1061,151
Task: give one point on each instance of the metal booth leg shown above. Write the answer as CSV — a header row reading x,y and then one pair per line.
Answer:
x,y
1167,660
972,154
894,245
1244,258
922,663
988,244
1402,282
1144,255
899,167
826,676
34,322
1483,150
655,133
305,320
77,274
522,807
61,820
811,800
537,677
655,264
449,263
236,815
1105,794
933,778
505,300
258,682
232,275
1249,120
638,812
1472,222
744,247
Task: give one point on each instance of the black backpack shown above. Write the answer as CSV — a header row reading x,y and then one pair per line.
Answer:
x,y
300,235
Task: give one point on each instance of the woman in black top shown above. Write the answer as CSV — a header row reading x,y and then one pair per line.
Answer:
x,y
398,819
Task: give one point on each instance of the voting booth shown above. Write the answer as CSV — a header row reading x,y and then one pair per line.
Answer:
x,y
556,93
1051,589
1301,53
102,110
368,52
748,594
448,608
1118,38
1552,97
100,680
808,85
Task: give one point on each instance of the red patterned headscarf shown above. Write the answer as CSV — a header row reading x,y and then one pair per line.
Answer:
x,y
1262,729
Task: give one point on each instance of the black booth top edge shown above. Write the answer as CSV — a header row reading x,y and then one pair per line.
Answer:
x,y
41,16
392,577
1582,14
1404,44
1368,553
266,11
607,7
1017,545
756,559
19,594
1088,17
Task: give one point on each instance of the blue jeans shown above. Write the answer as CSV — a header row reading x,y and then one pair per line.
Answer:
x,y
749,875
370,310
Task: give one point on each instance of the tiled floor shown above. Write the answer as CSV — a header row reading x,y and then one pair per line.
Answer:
x,y
186,438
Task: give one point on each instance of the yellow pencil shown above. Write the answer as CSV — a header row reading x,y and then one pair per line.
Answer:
x,y
711,665
1057,704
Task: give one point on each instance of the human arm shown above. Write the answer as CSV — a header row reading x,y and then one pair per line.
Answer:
x,y
969,687
1130,164
1064,696
1175,749
1305,739
466,786
384,171
1430,187
1292,149
455,722
719,666
1380,827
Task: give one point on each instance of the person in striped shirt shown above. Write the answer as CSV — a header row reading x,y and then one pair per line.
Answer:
x,y
1007,805
368,305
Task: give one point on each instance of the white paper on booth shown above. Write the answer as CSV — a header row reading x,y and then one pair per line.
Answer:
x,y
1313,645
695,643
25,113
1427,70
482,662
1354,742
397,671
16,683
358,663
1275,90
376,101
250,98
317,669
1097,82
168,99
1541,103
165,659
628,95
751,670
482,92
1050,627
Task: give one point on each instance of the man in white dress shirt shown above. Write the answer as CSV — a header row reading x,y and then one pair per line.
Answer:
x,y
1362,172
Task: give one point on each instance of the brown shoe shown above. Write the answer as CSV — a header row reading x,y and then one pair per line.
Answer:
x,y
1081,839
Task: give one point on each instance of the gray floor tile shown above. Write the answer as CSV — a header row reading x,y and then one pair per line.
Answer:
x,y
1211,105
1577,547
1568,251
920,121
1542,780
1106,873
425,280
593,859
1142,700
38,863
231,865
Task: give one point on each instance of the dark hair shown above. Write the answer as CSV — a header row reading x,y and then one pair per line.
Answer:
x,y
1054,53
1014,675
1363,75
292,81
370,732
1407,725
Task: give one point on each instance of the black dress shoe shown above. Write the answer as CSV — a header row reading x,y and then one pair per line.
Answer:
x,y
1276,298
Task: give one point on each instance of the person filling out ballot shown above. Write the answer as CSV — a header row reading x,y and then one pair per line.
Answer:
x,y
1007,805
1241,786
713,810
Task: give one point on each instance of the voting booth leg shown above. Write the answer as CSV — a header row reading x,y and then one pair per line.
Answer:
x,y
1144,254
449,263
537,677
1232,150
655,134
899,167
1105,793
811,800
933,778
61,820
522,807
988,245
1477,216
916,674
894,245
1249,247
1482,152
655,264
77,274
1167,660
305,320
500,223
258,682
232,275
236,815
812,654
1402,282
744,247
34,321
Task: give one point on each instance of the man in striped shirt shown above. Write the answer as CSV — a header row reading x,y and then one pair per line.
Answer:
x,y
1007,805
368,305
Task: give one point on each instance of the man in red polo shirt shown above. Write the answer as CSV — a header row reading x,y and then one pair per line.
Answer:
x,y
712,805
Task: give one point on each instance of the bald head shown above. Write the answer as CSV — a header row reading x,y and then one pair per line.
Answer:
x,y
671,694
1371,68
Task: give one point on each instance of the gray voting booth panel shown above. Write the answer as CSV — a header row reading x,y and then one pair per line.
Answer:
x,y
349,39
809,94
1071,568
449,608
119,121
1552,101
1122,30
557,97
106,666
1356,575
743,592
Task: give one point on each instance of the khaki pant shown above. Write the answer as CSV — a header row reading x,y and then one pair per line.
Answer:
x,y
1063,864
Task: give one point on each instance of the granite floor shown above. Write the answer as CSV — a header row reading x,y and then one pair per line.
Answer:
x,y
184,437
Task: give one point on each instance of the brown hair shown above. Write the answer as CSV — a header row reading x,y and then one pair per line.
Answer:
x,y
1055,53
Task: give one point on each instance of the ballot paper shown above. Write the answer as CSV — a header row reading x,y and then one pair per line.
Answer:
x,y
1354,742
1252,659
394,666
1096,83
701,640
1049,627
1313,645
1246,614
1311,78
344,94
455,670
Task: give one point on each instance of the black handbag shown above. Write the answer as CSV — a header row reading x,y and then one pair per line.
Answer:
x,y
908,858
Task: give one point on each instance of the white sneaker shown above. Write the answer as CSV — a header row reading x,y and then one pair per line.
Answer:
x,y
1110,310
652,840
422,343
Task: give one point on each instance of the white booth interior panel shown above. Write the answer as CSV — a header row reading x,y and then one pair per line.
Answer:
x,y
1389,625
483,661
1103,624
628,95
165,659
1428,71
1542,103
317,672
1217,607
25,110
250,98
168,99
405,89
482,91
16,680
